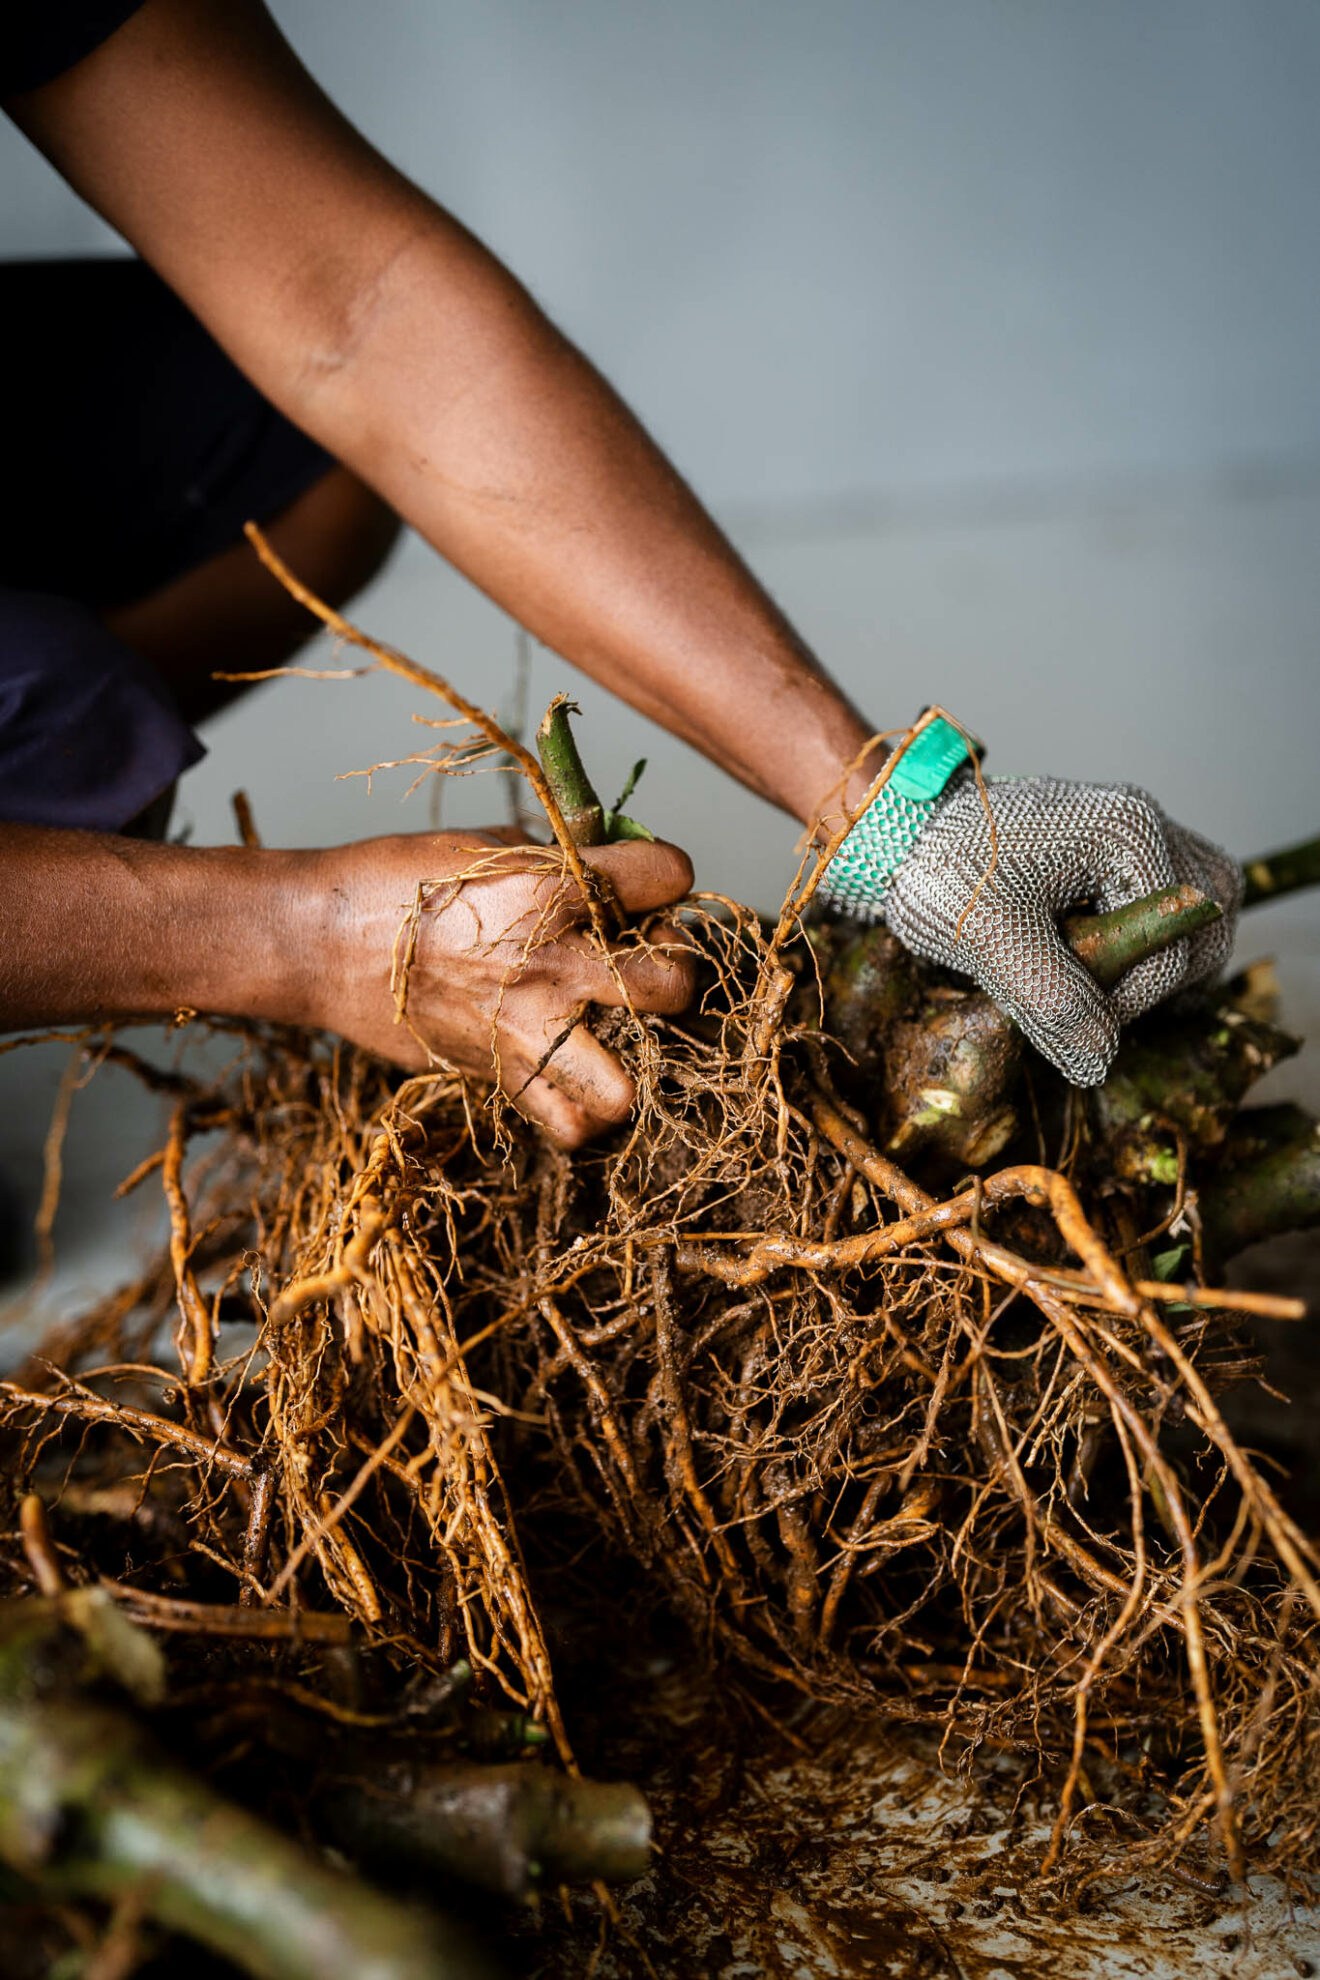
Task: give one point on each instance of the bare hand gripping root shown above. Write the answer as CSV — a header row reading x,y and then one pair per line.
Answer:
x,y
895,1427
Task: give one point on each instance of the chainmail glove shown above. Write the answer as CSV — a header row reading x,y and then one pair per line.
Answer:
x,y
918,864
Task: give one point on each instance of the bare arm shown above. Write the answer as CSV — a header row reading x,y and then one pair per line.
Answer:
x,y
379,325
98,927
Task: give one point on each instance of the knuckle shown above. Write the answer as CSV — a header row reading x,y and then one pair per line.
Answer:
x,y
613,1112
678,869
559,1115
673,987
1141,818
569,1133
578,1123
612,1095
1076,1011
1051,994
1148,983
1133,796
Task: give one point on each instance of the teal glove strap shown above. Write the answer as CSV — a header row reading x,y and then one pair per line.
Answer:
x,y
860,871
929,761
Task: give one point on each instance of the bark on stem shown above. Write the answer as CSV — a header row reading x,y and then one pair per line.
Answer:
x,y
89,1807
583,812
1109,944
1282,872
1268,1180
509,1829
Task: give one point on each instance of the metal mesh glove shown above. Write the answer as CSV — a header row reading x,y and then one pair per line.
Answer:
x,y
1059,846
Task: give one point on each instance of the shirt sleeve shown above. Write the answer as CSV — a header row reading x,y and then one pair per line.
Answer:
x,y
89,734
40,39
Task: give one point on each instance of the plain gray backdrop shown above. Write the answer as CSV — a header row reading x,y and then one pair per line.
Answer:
x,y
987,327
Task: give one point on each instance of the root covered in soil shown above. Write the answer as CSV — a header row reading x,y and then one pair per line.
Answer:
x,y
891,1365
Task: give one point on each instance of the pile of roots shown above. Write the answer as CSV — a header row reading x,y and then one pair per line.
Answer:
x,y
891,1365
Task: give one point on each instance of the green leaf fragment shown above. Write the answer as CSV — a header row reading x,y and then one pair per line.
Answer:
x,y
633,779
1168,1265
617,826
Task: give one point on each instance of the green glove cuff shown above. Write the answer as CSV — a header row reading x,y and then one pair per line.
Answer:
x,y
858,875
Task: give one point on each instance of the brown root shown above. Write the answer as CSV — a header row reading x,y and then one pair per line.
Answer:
x,y
949,1448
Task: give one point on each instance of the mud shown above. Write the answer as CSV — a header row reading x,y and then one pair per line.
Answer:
x,y
842,1849
834,1847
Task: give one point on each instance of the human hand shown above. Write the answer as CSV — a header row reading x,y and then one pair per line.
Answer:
x,y
481,939
988,904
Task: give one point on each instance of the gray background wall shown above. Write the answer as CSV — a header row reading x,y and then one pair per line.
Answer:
x,y
988,327
870,246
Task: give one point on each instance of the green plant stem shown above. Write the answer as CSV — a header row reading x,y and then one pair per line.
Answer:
x,y
510,1829
1267,1182
1109,944
947,1070
90,1807
1282,872
574,791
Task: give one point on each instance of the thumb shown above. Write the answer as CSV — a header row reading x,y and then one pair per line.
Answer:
x,y
1019,958
645,874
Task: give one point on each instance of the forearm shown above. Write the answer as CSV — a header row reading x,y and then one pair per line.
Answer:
x,y
377,323
510,453
97,927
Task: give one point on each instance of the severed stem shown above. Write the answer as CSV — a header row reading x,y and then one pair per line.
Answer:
x,y
91,1808
1283,872
425,677
1109,944
584,814
507,1829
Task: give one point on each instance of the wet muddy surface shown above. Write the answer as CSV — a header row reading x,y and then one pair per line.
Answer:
x,y
834,1847
856,1855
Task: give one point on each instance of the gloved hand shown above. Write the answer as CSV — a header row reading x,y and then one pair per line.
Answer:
x,y
916,862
